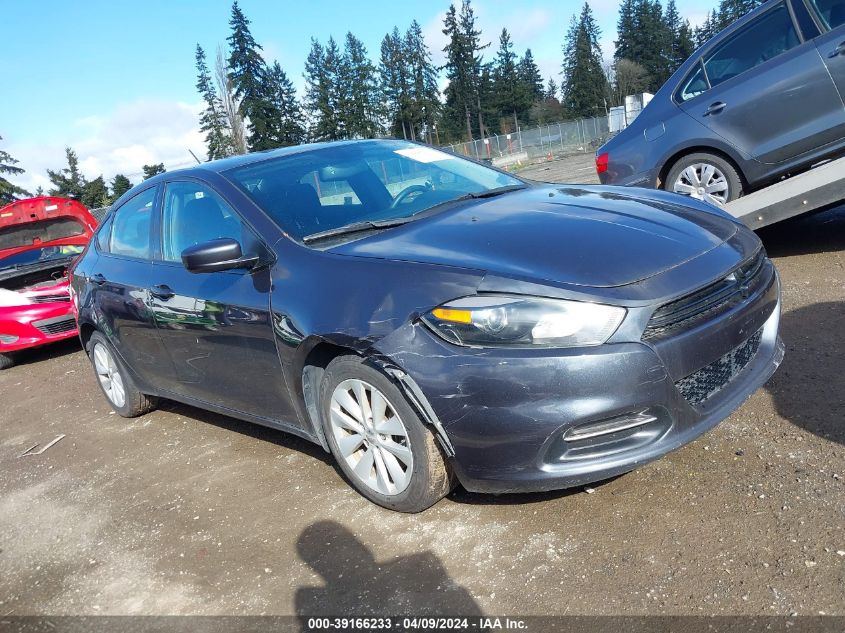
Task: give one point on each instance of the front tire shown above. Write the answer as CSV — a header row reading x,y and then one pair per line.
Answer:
x,y
6,361
705,177
382,447
115,380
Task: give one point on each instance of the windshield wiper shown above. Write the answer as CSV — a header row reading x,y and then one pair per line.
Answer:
x,y
355,227
491,193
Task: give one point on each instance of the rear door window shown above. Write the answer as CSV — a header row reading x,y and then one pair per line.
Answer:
x,y
763,39
130,235
831,12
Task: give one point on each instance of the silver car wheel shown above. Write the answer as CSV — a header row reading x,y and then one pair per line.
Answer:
x,y
109,375
703,181
371,437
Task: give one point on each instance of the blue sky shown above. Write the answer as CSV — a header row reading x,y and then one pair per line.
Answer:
x,y
115,80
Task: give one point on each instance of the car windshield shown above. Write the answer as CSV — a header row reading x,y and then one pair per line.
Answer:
x,y
40,255
338,189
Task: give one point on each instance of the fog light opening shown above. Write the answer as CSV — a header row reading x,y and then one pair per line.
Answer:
x,y
8,339
606,427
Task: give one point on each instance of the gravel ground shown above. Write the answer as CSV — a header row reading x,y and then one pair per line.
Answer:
x,y
187,512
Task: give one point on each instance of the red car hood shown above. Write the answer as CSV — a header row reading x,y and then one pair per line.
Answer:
x,y
43,221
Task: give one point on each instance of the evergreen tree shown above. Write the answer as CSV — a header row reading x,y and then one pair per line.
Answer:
x,y
530,76
585,84
153,170
394,80
551,89
463,70
511,96
731,10
360,107
286,124
213,119
8,191
39,191
247,72
68,182
95,194
707,29
323,94
425,95
680,37
645,37
120,184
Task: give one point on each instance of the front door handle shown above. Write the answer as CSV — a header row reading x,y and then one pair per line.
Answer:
x,y
839,50
97,279
162,291
715,108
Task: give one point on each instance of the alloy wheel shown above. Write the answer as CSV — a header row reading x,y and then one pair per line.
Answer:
x,y
109,375
371,437
703,181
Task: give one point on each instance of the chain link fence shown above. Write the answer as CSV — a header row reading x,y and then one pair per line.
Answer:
x,y
547,142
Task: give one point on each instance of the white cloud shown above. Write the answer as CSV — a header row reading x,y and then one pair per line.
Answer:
x,y
134,134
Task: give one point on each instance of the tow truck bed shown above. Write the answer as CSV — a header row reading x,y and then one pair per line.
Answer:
x,y
818,188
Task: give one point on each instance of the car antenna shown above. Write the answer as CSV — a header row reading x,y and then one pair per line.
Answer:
x,y
199,162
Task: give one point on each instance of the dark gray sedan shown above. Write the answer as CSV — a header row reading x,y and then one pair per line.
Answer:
x,y
429,320
760,100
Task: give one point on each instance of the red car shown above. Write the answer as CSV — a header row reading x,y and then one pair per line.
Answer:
x,y
39,240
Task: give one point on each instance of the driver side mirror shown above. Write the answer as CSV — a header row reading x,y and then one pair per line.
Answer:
x,y
214,255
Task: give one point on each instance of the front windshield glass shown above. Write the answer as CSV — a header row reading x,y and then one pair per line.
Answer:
x,y
370,181
41,255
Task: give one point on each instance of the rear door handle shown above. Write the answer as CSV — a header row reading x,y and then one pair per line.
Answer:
x,y
715,108
162,292
97,279
839,50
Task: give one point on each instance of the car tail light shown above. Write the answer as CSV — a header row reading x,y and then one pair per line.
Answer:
x,y
601,162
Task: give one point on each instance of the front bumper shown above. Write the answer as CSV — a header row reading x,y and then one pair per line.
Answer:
x,y
32,325
505,412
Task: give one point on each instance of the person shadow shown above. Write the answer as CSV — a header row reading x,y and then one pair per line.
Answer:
x,y
809,387
356,584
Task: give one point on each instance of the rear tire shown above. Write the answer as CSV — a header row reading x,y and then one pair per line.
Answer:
x,y
705,177
389,455
115,381
6,361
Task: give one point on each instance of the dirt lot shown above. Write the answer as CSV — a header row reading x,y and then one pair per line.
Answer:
x,y
182,511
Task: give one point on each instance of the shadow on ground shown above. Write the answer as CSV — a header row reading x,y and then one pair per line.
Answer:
x,y
809,387
44,353
822,232
355,583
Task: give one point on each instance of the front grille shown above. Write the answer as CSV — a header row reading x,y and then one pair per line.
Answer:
x,y
702,304
710,380
50,298
56,325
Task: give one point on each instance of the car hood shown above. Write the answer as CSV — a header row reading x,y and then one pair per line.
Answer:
x,y
43,221
585,236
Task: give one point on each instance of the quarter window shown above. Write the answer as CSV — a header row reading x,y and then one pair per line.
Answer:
x,y
130,234
763,39
193,213
694,86
832,12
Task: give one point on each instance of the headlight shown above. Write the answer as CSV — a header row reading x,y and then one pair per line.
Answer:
x,y
500,320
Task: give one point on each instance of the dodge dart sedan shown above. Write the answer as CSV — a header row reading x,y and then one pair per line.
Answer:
x,y
427,319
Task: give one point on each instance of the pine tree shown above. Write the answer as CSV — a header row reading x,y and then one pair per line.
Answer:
x,y
680,37
424,93
213,119
707,29
463,70
530,76
286,121
360,107
394,81
68,182
585,84
247,72
120,184
153,170
645,37
511,97
95,194
8,191
551,89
